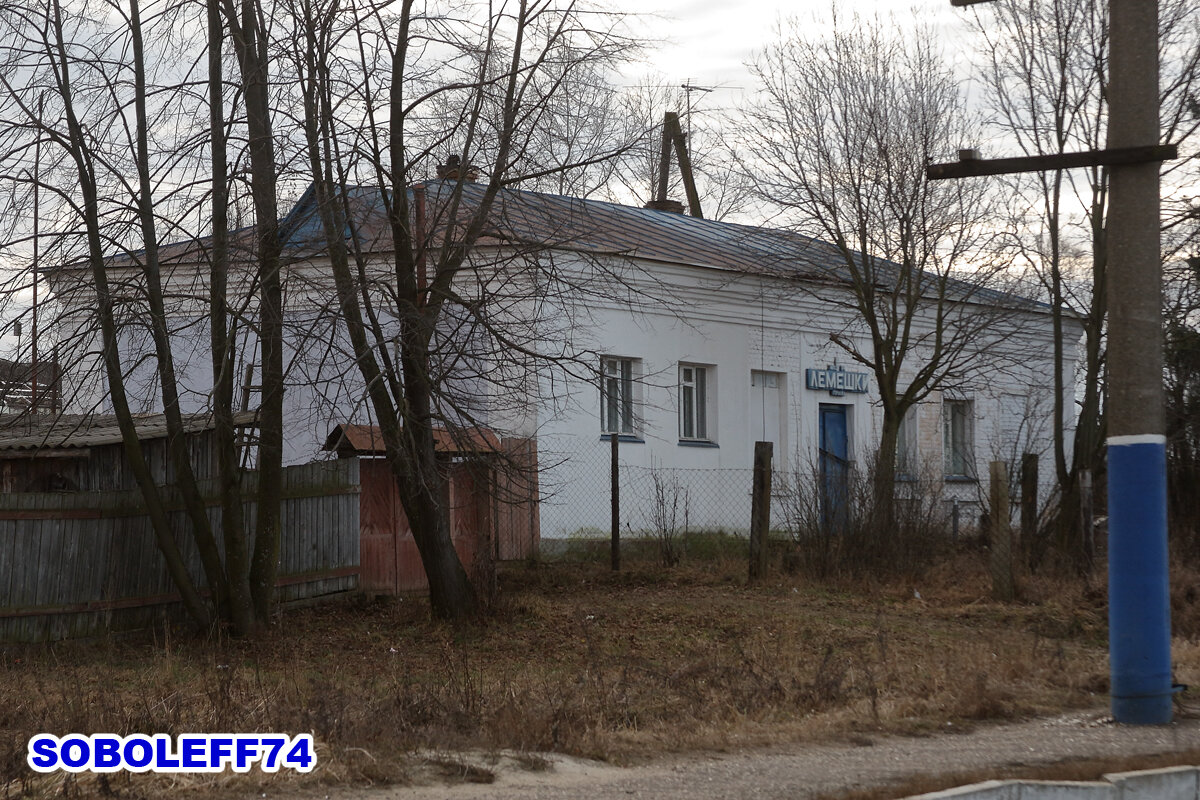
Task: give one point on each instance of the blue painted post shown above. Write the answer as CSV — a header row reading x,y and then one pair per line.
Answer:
x,y
1139,611
1139,621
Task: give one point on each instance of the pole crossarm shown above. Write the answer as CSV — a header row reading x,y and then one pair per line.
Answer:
x,y
972,167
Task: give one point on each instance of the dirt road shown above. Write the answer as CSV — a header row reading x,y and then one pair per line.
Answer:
x,y
799,771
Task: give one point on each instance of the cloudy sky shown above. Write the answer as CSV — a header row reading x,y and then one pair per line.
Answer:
x,y
709,41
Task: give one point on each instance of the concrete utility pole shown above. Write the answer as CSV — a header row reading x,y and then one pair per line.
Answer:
x,y
1138,603
1139,611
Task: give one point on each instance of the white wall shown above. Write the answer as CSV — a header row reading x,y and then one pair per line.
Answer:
x,y
745,324
661,314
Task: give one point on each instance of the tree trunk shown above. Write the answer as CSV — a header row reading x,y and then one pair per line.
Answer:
x,y
233,523
160,523
422,490
250,44
185,478
884,478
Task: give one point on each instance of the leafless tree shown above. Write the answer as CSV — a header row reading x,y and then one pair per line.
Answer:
x,y
361,101
837,138
441,333
1045,66
723,190
118,117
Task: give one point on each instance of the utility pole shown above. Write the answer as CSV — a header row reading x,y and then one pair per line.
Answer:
x,y
1139,611
37,179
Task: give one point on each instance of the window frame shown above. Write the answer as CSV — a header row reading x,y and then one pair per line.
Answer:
x,y
695,402
908,447
624,377
958,451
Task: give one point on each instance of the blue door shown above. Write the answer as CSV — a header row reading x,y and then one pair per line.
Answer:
x,y
835,468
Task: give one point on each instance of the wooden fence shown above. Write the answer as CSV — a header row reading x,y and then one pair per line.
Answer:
x,y
75,564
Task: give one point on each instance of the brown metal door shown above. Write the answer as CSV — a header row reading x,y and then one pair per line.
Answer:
x,y
379,523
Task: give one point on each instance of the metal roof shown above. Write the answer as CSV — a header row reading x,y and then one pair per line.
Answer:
x,y
21,433
595,227
570,223
598,227
367,440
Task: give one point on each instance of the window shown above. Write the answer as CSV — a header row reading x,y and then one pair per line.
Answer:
x,y
693,402
907,458
767,380
957,445
616,395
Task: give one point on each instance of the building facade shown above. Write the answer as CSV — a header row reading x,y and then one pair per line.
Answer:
x,y
689,339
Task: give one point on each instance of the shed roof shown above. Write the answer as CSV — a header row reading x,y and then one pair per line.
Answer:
x,y
22,433
367,440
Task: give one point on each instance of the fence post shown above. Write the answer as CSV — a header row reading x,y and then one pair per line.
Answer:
x,y
1003,587
1029,499
1087,518
760,510
616,507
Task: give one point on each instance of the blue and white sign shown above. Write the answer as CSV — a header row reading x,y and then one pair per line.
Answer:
x,y
837,380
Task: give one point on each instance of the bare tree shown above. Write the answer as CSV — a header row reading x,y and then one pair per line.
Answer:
x,y
837,139
439,332
45,49
129,133
247,30
721,185
1045,64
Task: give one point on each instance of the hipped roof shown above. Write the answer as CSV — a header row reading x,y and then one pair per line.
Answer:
x,y
593,227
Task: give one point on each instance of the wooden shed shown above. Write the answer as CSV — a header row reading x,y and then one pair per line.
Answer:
x,y
84,452
491,491
78,553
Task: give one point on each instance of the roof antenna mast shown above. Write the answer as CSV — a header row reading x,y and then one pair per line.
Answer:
x,y
673,134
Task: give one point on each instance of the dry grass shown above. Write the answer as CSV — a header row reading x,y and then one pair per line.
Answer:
x,y
581,661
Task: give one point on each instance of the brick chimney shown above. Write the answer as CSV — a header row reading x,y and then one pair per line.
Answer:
x,y
454,170
673,206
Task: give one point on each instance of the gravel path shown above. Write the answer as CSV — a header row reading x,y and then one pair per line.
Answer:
x,y
799,771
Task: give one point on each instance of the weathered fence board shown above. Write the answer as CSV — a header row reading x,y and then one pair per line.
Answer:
x,y
80,563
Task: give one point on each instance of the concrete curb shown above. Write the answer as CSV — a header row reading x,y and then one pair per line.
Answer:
x,y
1172,783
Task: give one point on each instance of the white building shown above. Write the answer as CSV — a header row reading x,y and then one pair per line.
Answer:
x,y
691,339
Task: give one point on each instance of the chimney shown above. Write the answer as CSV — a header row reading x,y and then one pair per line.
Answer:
x,y
454,170
673,206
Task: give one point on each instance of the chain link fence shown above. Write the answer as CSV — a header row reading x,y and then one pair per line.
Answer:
x,y
577,500
829,524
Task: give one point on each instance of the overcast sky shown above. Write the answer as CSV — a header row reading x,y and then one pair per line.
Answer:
x,y
709,41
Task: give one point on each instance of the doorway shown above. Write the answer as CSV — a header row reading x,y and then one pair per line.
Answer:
x,y
834,467
767,412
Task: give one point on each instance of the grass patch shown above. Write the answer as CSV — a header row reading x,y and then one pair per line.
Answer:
x,y
577,660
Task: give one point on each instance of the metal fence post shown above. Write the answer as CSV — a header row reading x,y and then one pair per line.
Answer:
x,y
616,506
1029,500
1000,535
954,519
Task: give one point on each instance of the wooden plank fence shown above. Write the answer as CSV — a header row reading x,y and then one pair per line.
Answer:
x,y
75,564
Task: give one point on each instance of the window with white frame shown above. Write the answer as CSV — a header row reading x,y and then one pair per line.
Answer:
x,y
694,382
958,446
617,384
907,458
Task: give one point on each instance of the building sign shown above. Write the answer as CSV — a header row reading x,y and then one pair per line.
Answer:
x,y
836,380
